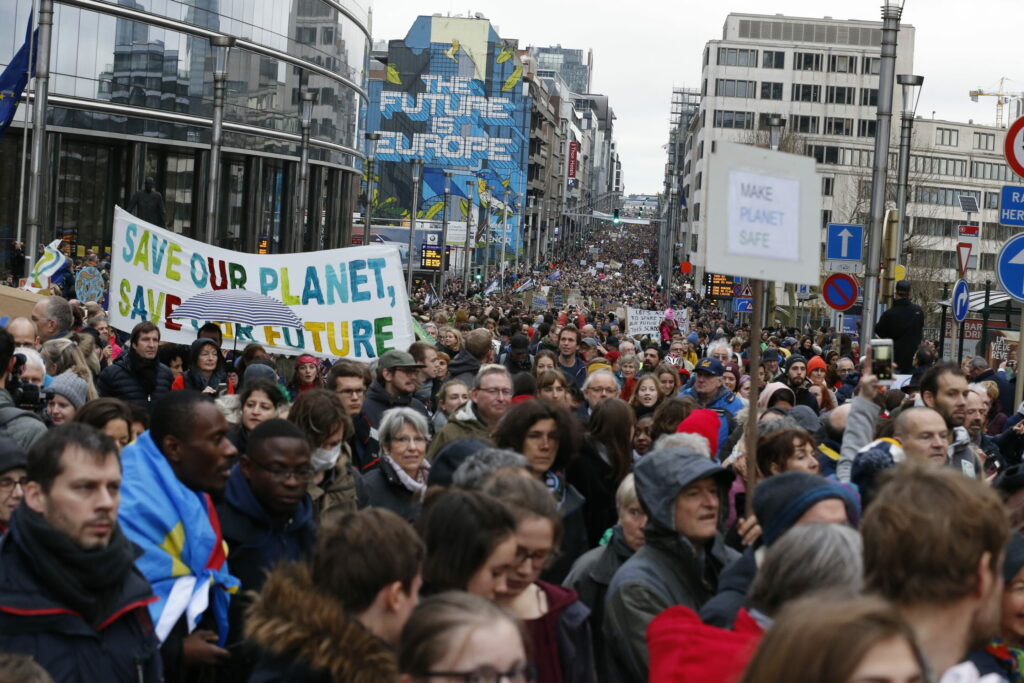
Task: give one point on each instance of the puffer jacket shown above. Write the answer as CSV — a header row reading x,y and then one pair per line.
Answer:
x,y
465,424
668,570
304,634
120,380
379,400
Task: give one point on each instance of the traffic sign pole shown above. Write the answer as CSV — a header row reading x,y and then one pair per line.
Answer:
x,y
960,344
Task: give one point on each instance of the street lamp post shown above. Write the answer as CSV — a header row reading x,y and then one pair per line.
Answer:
x,y
371,140
892,10
221,47
504,238
531,203
444,229
299,223
911,94
469,232
39,168
417,168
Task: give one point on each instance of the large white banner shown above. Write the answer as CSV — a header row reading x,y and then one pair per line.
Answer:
x,y
640,322
352,302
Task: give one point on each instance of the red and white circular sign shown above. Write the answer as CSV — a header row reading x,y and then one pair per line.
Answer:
x,y
1013,149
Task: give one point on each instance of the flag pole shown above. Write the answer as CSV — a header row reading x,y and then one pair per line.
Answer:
x,y
25,127
39,167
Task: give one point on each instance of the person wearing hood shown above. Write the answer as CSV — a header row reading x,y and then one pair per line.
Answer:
x,y
477,350
339,617
266,517
684,496
708,391
206,369
593,571
137,377
395,387
518,358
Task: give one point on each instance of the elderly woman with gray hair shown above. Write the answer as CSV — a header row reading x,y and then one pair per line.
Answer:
x,y
399,482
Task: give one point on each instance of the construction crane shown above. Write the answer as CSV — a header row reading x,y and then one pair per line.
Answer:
x,y
1002,96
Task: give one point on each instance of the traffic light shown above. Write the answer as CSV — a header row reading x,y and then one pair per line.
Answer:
x,y
615,218
479,277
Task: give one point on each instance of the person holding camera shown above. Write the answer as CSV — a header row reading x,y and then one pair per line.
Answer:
x,y
23,426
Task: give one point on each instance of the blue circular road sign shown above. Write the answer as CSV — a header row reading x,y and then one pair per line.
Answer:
x,y
961,300
1010,267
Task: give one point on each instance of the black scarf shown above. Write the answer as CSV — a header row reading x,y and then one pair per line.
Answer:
x,y
87,581
144,369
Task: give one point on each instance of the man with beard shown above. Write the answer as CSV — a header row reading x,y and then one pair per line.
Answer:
x,y
395,386
70,595
796,379
137,376
933,546
944,389
975,420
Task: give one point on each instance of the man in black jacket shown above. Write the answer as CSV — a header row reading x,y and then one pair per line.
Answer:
x,y
70,595
903,323
137,376
395,386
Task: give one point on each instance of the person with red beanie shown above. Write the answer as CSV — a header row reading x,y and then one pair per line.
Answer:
x,y
703,422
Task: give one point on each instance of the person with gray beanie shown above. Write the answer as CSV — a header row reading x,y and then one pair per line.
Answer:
x,y
68,392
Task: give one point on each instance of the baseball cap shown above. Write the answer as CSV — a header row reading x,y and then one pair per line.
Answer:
x,y
398,359
590,341
710,365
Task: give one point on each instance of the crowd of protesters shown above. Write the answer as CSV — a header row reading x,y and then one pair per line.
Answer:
x,y
524,494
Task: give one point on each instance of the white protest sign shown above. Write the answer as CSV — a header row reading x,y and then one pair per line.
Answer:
x,y
352,302
640,322
763,214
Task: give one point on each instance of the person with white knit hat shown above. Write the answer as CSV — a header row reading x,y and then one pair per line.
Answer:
x,y
68,392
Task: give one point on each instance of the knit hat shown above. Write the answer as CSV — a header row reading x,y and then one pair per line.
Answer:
x,y
805,417
257,370
702,422
70,386
816,363
598,364
612,356
794,359
11,455
781,500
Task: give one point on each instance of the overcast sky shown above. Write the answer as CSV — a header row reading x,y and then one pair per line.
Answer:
x,y
639,57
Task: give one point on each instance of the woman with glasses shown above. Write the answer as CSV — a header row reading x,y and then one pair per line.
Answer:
x,y
399,481
206,372
261,400
557,622
458,636
12,478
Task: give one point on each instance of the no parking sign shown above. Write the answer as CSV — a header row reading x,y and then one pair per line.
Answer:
x,y
840,291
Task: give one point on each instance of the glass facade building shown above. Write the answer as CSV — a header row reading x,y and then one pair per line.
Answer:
x,y
131,96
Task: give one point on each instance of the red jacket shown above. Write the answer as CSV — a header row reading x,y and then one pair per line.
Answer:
x,y
683,648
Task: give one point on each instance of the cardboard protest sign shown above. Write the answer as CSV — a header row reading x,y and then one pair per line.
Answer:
x,y
640,322
352,302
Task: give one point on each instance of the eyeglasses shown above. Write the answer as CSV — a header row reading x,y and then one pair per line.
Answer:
x,y
538,559
7,484
301,474
505,393
521,673
406,440
352,392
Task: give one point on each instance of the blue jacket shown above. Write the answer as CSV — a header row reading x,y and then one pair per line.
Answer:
x,y
123,648
724,403
576,373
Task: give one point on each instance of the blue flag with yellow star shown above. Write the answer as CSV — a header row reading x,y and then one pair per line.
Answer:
x,y
14,79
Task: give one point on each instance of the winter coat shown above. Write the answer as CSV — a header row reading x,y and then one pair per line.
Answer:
x,y
22,426
464,367
668,570
379,400
589,577
574,536
464,424
119,380
341,490
725,403
304,634
591,474
859,432
845,391
733,585
387,491
32,622
562,646
684,649
363,443
903,322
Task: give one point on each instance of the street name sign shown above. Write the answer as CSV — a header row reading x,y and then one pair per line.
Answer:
x,y
840,291
1011,206
844,242
1010,267
961,300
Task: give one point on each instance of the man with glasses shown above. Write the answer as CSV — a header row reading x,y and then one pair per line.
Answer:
x,y
266,517
12,479
24,332
350,379
489,400
395,387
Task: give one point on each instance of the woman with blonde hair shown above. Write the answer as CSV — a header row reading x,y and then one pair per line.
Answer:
x,y
63,355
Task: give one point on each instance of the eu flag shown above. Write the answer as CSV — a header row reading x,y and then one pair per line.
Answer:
x,y
14,79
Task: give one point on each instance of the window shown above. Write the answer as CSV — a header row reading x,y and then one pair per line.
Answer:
x,y
807,61
938,165
731,56
948,137
696,212
943,196
703,117
842,64
704,88
700,150
734,119
871,65
806,93
988,171
869,97
773,59
827,186
866,128
305,35
805,124
991,200
771,91
985,141
697,181
826,218
843,156
725,87
838,126
835,94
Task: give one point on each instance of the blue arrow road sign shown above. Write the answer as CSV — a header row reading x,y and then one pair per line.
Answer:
x,y
961,300
844,242
742,305
1011,205
1010,267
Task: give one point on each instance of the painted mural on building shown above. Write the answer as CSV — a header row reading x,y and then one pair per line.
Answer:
x,y
453,96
